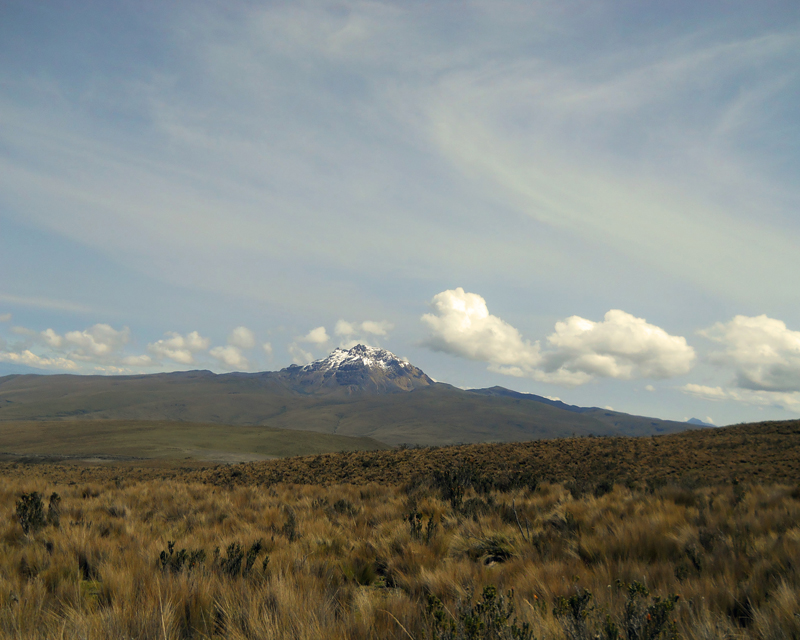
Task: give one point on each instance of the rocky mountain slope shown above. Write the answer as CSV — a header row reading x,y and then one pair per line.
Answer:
x,y
361,369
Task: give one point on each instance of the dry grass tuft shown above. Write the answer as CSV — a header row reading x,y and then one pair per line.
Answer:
x,y
161,553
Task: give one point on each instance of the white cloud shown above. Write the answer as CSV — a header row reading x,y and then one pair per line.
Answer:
x,y
267,347
376,328
178,348
649,387
26,357
461,325
137,361
242,337
99,344
316,336
344,328
621,346
705,392
299,355
353,333
231,357
6,317
100,341
783,400
763,352
52,339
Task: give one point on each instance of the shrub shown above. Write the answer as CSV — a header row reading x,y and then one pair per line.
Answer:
x,y
573,613
54,509
290,526
645,621
642,618
414,520
452,483
30,512
492,617
183,559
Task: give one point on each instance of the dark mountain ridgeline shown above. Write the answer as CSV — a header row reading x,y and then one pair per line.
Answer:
x,y
362,392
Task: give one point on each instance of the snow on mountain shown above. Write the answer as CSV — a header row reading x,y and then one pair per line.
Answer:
x,y
360,355
362,369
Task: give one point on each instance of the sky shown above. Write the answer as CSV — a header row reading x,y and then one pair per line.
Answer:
x,y
592,201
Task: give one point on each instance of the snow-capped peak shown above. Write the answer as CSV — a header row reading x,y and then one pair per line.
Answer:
x,y
370,357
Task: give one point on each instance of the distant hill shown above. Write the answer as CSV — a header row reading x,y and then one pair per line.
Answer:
x,y
362,392
10,369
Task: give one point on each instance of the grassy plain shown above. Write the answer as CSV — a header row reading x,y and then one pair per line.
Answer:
x,y
135,439
594,536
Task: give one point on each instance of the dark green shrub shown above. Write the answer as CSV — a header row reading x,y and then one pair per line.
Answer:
x,y
183,559
648,620
54,509
30,512
573,613
231,564
492,617
602,488
414,520
344,507
452,483
645,617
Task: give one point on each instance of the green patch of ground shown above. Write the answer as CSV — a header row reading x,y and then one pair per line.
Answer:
x,y
168,440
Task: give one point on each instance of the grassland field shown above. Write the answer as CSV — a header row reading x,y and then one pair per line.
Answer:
x,y
692,535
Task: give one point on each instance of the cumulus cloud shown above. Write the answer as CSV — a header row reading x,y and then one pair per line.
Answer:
x,y
789,401
231,357
352,333
242,338
621,346
52,339
29,358
344,328
316,336
6,317
267,347
100,344
179,348
100,341
462,325
763,353
137,361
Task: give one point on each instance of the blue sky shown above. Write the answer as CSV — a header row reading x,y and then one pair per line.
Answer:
x,y
595,201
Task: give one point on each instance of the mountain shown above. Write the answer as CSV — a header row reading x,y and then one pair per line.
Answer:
x,y
360,392
10,369
699,423
358,370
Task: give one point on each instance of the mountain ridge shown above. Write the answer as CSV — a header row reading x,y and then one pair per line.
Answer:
x,y
382,398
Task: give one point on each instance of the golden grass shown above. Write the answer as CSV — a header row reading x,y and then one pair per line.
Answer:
x,y
352,566
352,545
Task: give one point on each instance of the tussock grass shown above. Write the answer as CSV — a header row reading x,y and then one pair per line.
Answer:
x,y
345,561
328,552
